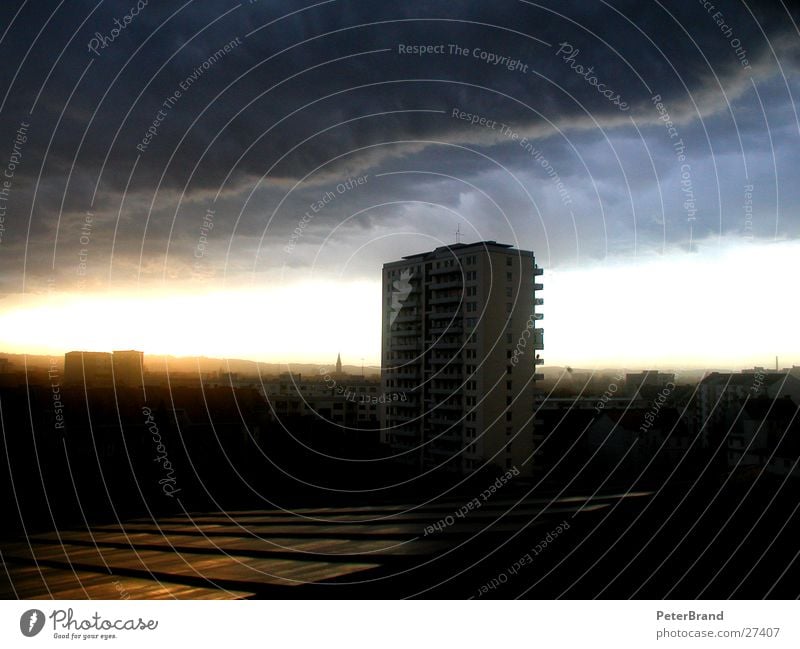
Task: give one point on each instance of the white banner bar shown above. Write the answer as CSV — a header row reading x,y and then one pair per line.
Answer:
x,y
389,624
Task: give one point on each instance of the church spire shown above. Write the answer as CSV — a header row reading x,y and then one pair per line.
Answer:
x,y
339,364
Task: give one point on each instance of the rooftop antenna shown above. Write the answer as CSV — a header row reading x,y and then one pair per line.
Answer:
x,y
458,233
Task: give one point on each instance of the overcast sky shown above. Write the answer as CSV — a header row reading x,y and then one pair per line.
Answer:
x,y
173,150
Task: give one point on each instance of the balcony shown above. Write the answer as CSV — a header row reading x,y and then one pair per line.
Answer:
x,y
446,391
538,287
452,382
399,420
405,375
441,344
454,328
444,271
444,452
537,271
405,332
405,347
451,436
440,420
447,313
445,299
538,338
404,316
412,402
447,283
450,408
405,432
538,301
445,360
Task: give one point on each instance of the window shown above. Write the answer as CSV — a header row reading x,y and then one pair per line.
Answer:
x,y
508,369
508,415
509,307
509,291
509,261
508,385
509,431
509,338
509,277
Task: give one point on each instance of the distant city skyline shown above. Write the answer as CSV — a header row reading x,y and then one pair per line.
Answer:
x,y
724,309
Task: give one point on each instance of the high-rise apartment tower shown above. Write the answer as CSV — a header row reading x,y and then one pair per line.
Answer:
x,y
459,339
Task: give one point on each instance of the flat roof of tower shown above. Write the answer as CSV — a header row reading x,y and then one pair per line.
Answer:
x,y
463,246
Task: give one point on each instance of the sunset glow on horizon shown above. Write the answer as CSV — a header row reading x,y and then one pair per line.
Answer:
x,y
679,310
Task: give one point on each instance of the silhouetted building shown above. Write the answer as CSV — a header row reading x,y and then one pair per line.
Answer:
x,y
92,369
341,400
459,338
647,382
128,368
103,370
787,386
720,396
765,435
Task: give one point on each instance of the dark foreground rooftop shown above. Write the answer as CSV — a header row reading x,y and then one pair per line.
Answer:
x,y
619,545
391,551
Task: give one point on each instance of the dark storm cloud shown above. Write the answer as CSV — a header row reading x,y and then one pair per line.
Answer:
x,y
273,90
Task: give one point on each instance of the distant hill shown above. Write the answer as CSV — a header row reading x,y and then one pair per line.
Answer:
x,y
156,363
18,362
553,372
205,364
159,363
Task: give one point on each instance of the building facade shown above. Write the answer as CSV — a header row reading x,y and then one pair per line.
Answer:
x,y
459,338
92,369
331,397
104,370
128,368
